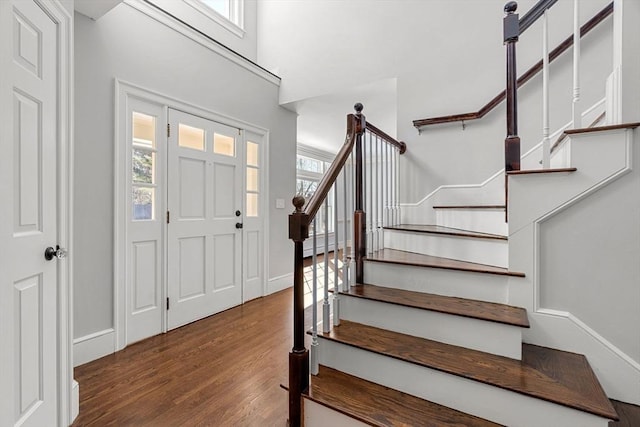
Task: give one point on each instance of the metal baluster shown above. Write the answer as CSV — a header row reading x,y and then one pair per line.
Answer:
x,y
546,142
326,325
314,304
387,184
374,194
336,249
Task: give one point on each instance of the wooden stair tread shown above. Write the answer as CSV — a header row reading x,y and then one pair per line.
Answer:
x,y
448,231
552,375
602,128
470,207
378,405
394,256
541,171
489,311
629,414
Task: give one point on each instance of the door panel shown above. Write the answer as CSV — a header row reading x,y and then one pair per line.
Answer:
x,y
204,192
28,283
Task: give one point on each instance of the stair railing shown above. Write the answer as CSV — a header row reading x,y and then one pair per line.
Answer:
x,y
362,178
512,29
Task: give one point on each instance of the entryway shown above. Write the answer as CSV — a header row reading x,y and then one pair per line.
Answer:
x,y
194,233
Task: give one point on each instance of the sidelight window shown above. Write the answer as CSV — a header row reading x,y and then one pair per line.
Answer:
x,y
143,165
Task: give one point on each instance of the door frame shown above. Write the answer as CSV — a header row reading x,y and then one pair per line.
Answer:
x,y
67,403
123,91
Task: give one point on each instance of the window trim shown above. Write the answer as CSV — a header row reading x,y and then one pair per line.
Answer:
x,y
233,24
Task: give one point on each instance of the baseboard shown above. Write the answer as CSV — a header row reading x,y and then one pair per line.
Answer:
x,y
618,373
93,346
279,283
75,400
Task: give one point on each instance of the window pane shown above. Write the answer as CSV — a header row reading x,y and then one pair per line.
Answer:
x,y
252,179
220,6
144,129
310,165
142,162
225,145
252,204
252,153
306,188
142,203
190,137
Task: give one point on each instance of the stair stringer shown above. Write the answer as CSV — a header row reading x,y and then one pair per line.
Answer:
x,y
491,191
601,158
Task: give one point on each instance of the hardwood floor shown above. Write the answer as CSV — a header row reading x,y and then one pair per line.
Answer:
x,y
224,370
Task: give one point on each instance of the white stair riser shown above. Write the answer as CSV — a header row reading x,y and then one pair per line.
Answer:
x,y
473,397
317,415
482,251
482,335
463,284
481,220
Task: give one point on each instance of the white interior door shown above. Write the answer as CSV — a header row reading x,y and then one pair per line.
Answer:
x,y
28,216
253,230
204,253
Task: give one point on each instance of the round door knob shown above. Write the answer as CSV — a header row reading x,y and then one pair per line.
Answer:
x,y
238,225
51,253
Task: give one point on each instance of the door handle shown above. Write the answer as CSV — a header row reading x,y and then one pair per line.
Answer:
x,y
238,225
51,253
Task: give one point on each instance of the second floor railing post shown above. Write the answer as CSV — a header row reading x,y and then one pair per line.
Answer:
x,y
359,216
511,34
299,355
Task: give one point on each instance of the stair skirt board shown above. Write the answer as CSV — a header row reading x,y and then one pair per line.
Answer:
x,y
463,284
470,249
317,415
469,396
481,220
477,334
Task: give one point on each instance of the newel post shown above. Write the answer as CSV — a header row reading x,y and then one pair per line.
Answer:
x,y
511,34
299,355
359,216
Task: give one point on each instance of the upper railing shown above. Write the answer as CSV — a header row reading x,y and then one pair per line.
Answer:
x,y
362,178
525,22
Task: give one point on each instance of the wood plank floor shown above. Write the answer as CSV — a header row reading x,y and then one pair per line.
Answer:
x,y
224,370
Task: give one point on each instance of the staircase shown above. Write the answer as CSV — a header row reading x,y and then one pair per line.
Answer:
x,y
429,337
429,340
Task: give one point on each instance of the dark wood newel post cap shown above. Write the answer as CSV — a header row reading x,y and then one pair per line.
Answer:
x,y
298,201
510,7
358,107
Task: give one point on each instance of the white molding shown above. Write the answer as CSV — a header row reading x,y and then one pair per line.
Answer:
x,y
94,346
64,23
199,38
314,153
606,343
277,284
237,12
75,401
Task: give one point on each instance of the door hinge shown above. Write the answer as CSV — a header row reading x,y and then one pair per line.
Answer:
x,y
168,217
168,130
167,303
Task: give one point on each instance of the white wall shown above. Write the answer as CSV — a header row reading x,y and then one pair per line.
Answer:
x,y
589,262
130,46
447,57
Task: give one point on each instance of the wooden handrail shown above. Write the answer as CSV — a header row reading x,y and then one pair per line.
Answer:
x,y
534,14
528,75
399,144
355,126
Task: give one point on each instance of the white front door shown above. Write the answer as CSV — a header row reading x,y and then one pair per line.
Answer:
x,y
28,216
205,200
